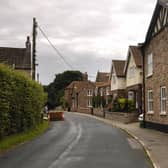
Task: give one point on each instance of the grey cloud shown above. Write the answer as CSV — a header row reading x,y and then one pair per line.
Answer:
x,y
89,33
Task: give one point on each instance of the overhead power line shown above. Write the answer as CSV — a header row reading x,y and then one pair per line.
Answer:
x,y
55,49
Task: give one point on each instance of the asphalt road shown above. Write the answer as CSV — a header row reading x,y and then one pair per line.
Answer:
x,y
78,142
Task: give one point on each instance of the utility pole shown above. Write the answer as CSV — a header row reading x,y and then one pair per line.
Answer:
x,y
34,49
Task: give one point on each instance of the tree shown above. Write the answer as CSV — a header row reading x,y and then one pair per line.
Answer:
x,y
55,89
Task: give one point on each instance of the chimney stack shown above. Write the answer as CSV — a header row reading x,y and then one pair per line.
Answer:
x,y
28,44
85,76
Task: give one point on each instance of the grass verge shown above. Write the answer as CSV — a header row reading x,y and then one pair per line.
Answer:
x,y
11,141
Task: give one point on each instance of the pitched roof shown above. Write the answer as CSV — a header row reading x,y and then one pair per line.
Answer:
x,y
159,5
103,84
78,85
102,76
119,67
15,56
136,52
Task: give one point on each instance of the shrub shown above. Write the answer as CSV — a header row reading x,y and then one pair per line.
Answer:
x,y
21,102
123,105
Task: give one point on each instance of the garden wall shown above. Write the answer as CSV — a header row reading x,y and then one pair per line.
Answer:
x,y
122,117
98,112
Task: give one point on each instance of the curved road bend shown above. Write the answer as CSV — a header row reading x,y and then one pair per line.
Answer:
x,y
78,142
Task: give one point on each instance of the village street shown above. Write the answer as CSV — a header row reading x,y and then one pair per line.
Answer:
x,y
78,142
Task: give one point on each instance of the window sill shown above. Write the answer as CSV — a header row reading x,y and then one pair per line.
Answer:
x,y
149,75
150,112
163,114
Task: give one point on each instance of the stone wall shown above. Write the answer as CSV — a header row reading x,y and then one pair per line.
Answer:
x,y
84,110
98,112
122,117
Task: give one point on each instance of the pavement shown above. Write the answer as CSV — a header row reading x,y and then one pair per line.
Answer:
x,y
78,142
155,143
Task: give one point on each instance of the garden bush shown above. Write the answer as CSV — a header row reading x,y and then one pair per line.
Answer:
x,y
123,105
21,102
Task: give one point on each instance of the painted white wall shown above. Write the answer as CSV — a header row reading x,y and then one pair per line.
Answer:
x,y
120,84
137,79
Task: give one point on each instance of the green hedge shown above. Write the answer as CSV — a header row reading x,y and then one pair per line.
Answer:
x,y
21,102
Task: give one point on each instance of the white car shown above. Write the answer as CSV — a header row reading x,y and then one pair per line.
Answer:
x,y
140,118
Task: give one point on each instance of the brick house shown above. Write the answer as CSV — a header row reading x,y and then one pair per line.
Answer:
x,y
134,76
18,58
103,86
117,78
79,95
155,60
103,89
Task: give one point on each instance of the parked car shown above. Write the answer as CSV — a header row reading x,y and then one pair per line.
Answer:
x,y
140,118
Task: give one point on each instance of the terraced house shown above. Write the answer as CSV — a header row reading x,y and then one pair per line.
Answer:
x,y
134,76
155,52
117,78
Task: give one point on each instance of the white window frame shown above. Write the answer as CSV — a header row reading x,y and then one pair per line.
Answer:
x,y
150,64
150,101
101,91
89,93
131,95
107,91
163,100
89,103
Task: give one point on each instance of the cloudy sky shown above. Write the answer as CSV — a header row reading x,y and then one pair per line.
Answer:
x,y
88,33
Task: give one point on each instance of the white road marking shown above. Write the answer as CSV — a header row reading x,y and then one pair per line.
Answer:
x,y
63,159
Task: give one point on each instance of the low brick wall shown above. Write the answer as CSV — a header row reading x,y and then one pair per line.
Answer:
x,y
122,117
98,112
84,110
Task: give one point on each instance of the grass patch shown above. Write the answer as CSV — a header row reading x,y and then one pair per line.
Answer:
x,y
14,140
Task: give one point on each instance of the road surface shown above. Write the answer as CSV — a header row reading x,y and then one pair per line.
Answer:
x,y
78,142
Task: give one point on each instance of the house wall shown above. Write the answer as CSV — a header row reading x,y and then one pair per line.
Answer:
x,y
83,97
119,85
159,48
137,79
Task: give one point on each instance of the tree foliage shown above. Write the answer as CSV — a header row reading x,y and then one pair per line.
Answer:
x,y
21,102
55,89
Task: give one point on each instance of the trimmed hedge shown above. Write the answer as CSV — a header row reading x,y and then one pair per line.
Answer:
x,y
21,102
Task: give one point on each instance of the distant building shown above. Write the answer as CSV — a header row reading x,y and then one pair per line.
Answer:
x,y
117,77
18,58
79,95
103,90
102,77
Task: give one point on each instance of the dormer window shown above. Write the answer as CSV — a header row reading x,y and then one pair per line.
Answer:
x,y
149,64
